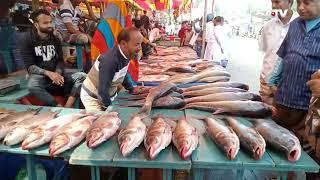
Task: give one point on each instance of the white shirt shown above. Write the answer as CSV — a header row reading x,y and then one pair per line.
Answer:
x,y
210,32
154,34
273,33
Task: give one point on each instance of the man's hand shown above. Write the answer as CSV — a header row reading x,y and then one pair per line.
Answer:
x,y
55,77
314,86
137,90
316,75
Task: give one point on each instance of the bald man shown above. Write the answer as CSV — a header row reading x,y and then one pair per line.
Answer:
x,y
109,71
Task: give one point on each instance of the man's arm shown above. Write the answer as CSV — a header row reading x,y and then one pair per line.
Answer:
x,y
91,15
107,71
27,53
127,84
60,65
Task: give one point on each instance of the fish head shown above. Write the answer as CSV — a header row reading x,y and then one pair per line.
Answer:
x,y
33,140
258,152
153,145
59,144
130,140
15,136
94,137
232,152
185,148
294,152
126,145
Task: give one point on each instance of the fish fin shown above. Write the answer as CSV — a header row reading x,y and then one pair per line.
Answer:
x,y
77,133
147,121
53,128
37,110
231,130
218,111
57,112
172,122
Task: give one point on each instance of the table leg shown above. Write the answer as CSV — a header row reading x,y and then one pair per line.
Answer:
x,y
167,174
79,57
131,173
198,174
283,175
31,167
97,169
240,173
93,172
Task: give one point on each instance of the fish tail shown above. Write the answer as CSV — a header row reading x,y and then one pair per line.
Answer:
x,y
256,97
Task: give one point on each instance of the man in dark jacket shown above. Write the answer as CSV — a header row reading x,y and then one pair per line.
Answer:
x,y
42,53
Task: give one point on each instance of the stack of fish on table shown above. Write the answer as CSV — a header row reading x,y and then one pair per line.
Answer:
x,y
171,62
33,129
219,97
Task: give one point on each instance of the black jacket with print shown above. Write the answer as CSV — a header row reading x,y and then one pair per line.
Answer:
x,y
41,54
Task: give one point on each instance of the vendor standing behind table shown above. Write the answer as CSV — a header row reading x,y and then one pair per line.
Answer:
x,y
299,59
209,38
109,71
42,53
272,35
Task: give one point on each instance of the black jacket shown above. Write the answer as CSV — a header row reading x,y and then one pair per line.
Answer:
x,y
41,54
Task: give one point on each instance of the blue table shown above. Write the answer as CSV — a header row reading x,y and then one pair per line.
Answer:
x,y
206,156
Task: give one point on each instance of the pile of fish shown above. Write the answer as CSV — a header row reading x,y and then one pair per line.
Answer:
x,y
158,136
229,135
219,98
33,129
170,63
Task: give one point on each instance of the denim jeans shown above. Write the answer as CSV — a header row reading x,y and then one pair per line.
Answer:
x,y
42,87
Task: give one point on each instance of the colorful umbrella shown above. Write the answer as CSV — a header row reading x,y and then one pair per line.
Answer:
x,y
114,20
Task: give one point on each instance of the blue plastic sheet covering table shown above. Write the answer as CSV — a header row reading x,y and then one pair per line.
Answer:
x,y
206,156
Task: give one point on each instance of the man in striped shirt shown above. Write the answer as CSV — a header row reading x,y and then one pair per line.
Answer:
x,y
299,59
67,22
110,71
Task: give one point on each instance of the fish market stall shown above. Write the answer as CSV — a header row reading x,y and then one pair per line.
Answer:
x,y
205,156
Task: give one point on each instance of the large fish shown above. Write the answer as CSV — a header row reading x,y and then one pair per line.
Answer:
x,y
226,96
214,79
224,137
168,102
154,93
184,69
132,135
23,128
102,129
185,138
158,137
242,108
213,90
280,138
218,84
44,133
71,135
9,122
143,96
204,74
250,138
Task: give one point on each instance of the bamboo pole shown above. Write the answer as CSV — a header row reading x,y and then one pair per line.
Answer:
x,y
204,25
